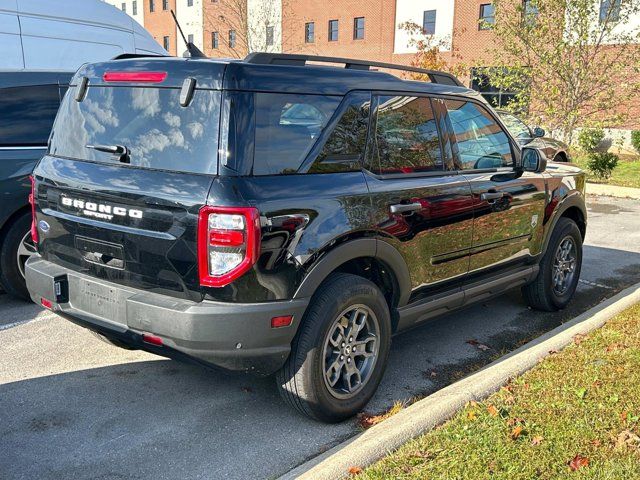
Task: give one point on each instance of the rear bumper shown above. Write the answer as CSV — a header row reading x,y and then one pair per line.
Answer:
x,y
231,336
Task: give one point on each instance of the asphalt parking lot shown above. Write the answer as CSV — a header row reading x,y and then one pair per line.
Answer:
x,y
74,407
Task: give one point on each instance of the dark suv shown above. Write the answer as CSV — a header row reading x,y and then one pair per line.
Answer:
x,y
29,101
273,216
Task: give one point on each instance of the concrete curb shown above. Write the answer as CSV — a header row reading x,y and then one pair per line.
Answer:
x,y
378,441
613,191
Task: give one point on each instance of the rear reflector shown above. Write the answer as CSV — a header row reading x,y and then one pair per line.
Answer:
x,y
46,303
279,322
137,77
152,339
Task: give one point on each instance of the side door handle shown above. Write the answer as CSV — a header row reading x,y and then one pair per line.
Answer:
x,y
406,207
491,196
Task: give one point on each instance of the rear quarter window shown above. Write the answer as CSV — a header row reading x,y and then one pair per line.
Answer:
x,y
287,126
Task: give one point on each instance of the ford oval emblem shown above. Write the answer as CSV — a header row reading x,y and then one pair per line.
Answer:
x,y
44,226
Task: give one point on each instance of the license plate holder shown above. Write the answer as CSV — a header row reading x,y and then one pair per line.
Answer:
x,y
98,299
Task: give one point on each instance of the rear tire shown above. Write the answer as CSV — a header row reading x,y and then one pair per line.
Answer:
x,y
560,267
319,378
15,250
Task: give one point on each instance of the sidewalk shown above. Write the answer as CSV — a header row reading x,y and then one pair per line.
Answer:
x,y
613,191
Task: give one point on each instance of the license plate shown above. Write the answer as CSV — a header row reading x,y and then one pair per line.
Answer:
x,y
97,299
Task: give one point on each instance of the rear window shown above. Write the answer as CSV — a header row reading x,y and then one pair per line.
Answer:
x,y
287,126
149,122
27,114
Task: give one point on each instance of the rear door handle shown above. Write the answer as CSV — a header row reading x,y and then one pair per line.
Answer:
x,y
491,196
406,207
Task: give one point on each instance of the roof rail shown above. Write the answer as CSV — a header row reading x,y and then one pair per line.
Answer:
x,y
301,60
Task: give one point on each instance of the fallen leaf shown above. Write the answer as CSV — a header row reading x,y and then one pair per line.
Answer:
x,y
515,421
367,420
493,411
471,415
516,432
553,352
577,462
628,439
616,346
579,338
355,470
478,345
537,440
595,443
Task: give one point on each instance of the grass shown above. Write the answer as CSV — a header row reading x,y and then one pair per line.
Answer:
x,y
575,415
626,174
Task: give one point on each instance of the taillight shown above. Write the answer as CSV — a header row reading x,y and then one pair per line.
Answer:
x,y
135,77
32,202
228,243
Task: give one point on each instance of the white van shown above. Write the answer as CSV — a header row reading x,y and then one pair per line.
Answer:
x,y
63,34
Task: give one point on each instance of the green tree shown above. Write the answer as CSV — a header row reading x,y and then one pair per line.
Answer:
x,y
568,61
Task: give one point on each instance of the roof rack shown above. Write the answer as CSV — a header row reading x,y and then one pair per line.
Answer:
x,y
301,60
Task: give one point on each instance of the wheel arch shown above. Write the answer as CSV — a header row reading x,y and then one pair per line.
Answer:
x,y
572,207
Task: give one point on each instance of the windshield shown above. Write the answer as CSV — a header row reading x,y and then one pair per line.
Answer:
x,y
516,126
149,123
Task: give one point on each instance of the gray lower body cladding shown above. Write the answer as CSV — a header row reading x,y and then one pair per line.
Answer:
x,y
231,336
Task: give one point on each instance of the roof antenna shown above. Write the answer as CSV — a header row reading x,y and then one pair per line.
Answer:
x,y
194,52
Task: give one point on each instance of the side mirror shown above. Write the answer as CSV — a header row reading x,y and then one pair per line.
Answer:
x,y
538,132
533,161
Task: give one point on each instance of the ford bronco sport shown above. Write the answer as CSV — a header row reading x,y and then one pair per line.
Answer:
x,y
280,217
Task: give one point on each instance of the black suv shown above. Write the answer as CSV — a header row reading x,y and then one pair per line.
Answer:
x,y
29,101
273,216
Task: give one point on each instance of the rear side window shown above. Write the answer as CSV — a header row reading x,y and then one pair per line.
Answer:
x,y
406,136
27,114
480,141
149,122
287,126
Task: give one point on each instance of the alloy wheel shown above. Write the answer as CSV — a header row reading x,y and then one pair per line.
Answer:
x,y
564,266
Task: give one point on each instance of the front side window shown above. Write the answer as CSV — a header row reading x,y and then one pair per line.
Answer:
x,y
406,137
358,28
287,126
333,30
516,126
610,10
309,32
429,22
232,38
487,17
27,114
480,141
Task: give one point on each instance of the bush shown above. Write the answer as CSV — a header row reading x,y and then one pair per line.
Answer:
x,y
590,138
602,164
635,140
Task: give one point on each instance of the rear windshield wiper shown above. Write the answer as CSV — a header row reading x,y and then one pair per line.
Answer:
x,y
120,152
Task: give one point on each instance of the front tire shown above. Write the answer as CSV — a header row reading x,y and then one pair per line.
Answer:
x,y
340,351
16,248
560,267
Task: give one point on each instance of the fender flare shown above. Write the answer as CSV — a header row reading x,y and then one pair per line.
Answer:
x,y
359,248
575,199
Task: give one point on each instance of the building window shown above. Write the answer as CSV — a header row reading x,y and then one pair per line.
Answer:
x,y
269,36
530,8
124,7
134,7
232,38
165,43
487,17
497,97
189,3
190,38
358,28
610,10
152,6
333,30
215,40
165,4
429,22
309,32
